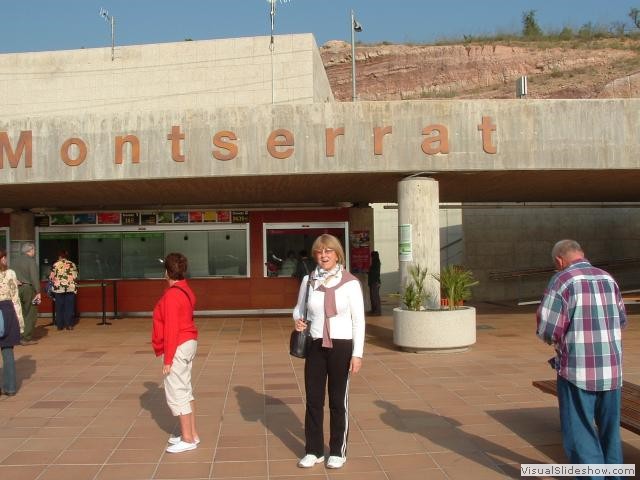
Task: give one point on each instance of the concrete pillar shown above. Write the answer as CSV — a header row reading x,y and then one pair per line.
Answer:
x,y
419,223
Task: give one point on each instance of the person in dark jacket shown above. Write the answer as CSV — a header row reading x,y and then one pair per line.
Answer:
x,y
305,265
374,284
13,324
29,289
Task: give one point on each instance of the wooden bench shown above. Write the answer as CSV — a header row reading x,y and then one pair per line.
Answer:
x,y
630,411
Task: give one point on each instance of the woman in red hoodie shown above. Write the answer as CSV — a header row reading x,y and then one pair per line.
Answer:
x,y
175,336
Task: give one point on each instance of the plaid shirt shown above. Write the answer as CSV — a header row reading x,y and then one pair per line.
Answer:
x,y
581,315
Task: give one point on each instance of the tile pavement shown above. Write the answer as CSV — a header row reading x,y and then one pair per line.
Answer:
x,y
90,405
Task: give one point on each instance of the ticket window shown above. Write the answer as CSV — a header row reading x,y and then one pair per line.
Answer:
x,y
285,244
214,252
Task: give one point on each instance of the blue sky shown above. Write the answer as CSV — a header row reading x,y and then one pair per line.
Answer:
x,y
37,25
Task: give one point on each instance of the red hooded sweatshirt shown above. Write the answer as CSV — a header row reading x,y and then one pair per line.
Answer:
x,y
173,320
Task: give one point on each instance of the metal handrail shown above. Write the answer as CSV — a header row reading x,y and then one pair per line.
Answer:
x,y
547,270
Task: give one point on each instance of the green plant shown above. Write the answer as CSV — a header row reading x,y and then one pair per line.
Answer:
x,y
414,295
455,283
530,27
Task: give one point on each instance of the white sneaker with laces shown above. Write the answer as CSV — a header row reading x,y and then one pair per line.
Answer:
x,y
336,462
309,460
178,439
181,447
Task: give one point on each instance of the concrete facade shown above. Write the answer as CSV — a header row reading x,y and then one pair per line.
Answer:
x,y
517,239
163,77
233,123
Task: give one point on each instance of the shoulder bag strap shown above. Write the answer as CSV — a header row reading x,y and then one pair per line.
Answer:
x,y
306,303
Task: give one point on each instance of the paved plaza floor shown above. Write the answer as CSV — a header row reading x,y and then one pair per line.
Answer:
x,y
90,405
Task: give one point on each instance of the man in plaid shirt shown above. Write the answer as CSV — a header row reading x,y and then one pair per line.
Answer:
x,y
581,315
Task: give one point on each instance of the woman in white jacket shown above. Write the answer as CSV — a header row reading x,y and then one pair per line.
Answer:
x,y
336,311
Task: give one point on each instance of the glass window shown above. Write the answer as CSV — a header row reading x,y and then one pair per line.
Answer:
x,y
228,253
141,255
99,255
134,254
3,238
285,245
51,244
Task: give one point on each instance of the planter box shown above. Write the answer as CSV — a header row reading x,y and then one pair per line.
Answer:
x,y
434,330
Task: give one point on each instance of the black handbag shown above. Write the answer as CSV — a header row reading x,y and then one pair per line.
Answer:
x,y
299,341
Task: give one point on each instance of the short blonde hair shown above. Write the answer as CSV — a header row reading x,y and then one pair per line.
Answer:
x,y
329,241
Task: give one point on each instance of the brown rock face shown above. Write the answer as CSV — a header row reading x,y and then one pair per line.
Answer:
x,y
407,72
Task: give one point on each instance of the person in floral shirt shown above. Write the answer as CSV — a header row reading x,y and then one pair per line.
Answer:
x,y
63,276
13,324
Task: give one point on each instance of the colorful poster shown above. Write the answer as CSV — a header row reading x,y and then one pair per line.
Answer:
x,y
165,217
180,217
224,216
84,219
210,216
195,217
62,219
148,219
109,218
360,253
131,218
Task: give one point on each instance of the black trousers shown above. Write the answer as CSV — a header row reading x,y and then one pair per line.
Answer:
x,y
327,366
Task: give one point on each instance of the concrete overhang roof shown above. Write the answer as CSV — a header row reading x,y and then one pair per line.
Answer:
x,y
326,189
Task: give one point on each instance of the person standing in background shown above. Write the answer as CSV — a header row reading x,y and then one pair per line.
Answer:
x,y
374,284
63,275
13,324
582,315
29,289
175,338
305,265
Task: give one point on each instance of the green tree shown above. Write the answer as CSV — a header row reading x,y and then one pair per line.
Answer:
x,y
634,15
530,27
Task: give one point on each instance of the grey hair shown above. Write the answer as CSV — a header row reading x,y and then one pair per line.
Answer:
x,y
561,248
27,246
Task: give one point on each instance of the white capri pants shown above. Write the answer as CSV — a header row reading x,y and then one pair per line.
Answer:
x,y
177,385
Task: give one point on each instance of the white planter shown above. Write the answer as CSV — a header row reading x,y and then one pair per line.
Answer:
x,y
434,330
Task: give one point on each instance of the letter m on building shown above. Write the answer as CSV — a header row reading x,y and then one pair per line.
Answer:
x,y
13,156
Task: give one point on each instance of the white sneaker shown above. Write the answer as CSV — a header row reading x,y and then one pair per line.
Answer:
x,y
181,447
178,439
309,460
336,462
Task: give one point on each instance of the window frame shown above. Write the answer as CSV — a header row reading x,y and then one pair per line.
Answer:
x,y
79,229
302,226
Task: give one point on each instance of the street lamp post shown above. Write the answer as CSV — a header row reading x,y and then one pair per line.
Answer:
x,y
355,27
110,19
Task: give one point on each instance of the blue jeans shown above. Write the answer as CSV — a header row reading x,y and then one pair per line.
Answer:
x,y
590,424
8,370
65,309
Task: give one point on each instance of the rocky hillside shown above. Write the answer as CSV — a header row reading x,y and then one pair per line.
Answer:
x,y
595,69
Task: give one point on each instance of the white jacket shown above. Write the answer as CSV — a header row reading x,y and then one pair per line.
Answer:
x,y
349,323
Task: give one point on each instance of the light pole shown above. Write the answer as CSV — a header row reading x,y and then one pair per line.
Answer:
x,y
272,13
355,27
112,22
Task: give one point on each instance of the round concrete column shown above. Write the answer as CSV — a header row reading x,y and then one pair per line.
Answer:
x,y
418,212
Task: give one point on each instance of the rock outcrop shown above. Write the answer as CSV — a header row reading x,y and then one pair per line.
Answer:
x,y
563,70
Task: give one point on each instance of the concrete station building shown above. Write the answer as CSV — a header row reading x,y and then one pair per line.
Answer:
x,y
237,154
